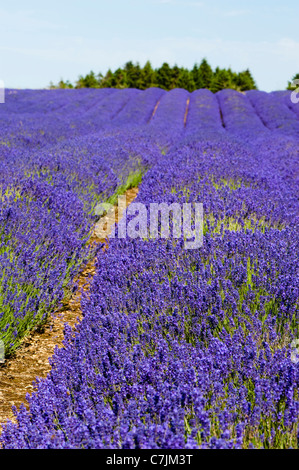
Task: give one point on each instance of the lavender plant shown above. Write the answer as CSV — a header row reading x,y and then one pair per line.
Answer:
x,y
177,348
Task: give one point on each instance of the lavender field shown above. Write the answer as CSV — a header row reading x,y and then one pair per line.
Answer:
x,y
177,349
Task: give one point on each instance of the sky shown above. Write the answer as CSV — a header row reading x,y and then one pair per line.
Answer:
x,y
43,41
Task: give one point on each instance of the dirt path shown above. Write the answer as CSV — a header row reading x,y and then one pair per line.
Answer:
x,y
31,359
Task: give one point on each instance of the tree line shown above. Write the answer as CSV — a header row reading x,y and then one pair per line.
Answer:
x,y
134,76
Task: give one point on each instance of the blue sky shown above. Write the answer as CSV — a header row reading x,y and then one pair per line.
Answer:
x,y
43,41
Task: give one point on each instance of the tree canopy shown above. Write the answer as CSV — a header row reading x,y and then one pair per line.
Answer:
x,y
134,76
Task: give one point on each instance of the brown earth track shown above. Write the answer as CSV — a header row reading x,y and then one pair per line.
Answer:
x,y
31,359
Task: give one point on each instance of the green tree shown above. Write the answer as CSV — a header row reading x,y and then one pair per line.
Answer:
x,y
89,81
290,84
118,79
244,81
107,80
195,76
185,80
166,77
133,74
175,75
62,84
147,76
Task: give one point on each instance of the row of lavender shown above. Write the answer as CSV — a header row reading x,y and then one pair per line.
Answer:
x,y
187,348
